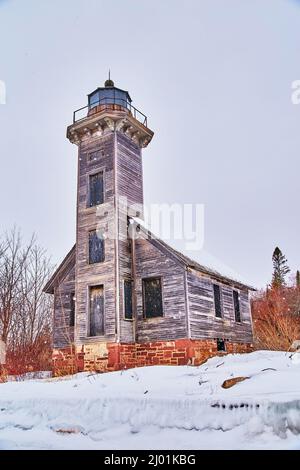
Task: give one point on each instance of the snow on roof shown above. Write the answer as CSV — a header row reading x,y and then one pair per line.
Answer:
x,y
201,260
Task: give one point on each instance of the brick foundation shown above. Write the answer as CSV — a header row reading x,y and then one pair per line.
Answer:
x,y
104,357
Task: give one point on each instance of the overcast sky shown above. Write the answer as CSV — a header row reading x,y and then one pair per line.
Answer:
x,y
214,78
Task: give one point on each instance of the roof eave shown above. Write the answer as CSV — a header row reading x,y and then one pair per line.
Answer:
x,y
49,286
193,265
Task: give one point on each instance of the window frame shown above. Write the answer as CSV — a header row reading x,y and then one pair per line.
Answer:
x,y
221,301
89,175
124,299
88,326
93,152
151,278
88,248
72,300
96,103
234,291
101,154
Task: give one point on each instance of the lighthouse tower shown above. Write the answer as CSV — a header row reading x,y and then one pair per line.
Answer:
x,y
110,134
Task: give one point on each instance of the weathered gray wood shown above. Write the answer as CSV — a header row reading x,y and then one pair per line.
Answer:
x,y
204,323
100,217
130,193
187,288
152,262
63,333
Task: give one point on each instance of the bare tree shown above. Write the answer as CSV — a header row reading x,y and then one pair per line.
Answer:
x,y
25,310
33,315
12,262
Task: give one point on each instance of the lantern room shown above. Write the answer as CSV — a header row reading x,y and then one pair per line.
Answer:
x,y
109,95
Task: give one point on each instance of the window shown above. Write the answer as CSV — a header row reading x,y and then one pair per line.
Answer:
x,y
236,303
152,296
221,346
96,247
96,305
128,299
217,300
72,309
93,155
94,99
96,194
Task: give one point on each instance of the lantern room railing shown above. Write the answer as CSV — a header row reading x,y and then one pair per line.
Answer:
x,y
108,103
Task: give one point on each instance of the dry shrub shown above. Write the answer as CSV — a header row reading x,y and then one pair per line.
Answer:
x,y
276,318
30,357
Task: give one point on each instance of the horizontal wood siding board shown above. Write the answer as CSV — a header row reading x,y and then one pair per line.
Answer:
x,y
63,334
204,323
153,262
130,186
101,217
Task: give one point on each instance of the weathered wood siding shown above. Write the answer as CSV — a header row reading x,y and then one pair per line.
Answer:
x,y
130,187
129,170
188,304
204,323
89,218
154,262
63,334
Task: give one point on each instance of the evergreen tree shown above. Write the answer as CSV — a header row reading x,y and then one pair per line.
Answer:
x,y
280,268
298,279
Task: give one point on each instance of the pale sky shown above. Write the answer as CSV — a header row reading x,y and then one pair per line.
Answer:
x,y
214,78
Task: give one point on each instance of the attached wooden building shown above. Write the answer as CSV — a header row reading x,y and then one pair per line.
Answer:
x,y
123,297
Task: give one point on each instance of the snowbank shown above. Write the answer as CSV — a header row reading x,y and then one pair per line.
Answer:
x,y
159,406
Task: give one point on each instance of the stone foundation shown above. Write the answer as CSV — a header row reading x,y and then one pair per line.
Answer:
x,y
104,357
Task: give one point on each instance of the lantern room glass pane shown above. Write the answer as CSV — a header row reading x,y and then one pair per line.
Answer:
x,y
108,96
94,99
121,98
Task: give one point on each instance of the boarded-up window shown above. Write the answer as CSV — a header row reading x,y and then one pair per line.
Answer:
x,y
221,346
93,155
96,311
236,303
96,247
152,296
96,194
128,299
217,299
72,309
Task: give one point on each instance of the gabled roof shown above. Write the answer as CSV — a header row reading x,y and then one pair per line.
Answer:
x,y
70,259
188,262
60,272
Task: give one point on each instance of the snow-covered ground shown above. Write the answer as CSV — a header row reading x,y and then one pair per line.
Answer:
x,y
159,407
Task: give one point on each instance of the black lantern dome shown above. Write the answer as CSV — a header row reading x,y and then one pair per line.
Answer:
x,y
109,83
